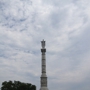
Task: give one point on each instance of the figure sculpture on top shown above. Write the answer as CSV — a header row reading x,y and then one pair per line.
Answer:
x,y
43,43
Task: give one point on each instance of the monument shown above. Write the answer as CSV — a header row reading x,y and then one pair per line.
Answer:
x,y
43,65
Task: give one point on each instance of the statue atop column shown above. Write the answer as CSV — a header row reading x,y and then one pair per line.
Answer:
x,y
43,43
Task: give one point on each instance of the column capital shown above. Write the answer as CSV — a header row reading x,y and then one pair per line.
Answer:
x,y
43,50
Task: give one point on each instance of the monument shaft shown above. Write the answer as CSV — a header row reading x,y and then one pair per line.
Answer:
x,y
43,76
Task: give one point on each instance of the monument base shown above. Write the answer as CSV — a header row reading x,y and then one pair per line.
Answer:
x,y
43,88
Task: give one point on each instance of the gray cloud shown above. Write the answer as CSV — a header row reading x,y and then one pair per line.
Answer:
x,y
65,27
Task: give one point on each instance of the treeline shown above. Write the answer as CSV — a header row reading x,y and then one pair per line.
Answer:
x,y
17,85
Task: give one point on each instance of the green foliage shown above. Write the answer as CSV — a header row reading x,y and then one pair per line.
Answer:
x,y
17,85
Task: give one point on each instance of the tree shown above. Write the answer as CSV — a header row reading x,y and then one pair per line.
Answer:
x,y
17,85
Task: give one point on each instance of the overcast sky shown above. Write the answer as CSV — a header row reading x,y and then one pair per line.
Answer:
x,y
63,24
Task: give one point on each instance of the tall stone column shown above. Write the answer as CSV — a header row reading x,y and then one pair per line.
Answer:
x,y
43,75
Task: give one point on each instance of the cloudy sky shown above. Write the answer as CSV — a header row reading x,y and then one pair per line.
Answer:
x,y
63,24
